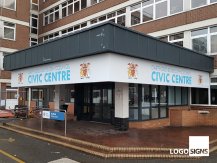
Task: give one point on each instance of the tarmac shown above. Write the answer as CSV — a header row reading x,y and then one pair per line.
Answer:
x,y
103,140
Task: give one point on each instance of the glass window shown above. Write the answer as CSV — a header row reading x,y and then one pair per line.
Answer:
x,y
121,11
213,43
93,2
83,4
176,6
199,32
147,2
64,12
213,1
199,95
184,96
9,4
171,94
154,113
133,95
145,96
76,6
213,29
154,95
161,9
9,30
200,44
121,20
146,114
147,14
163,112
136,6
197,3
133,114
70,9
135,17
164,38
178,95
176,36
163,95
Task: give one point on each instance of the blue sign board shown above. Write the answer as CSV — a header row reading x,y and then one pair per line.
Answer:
x,y
60,116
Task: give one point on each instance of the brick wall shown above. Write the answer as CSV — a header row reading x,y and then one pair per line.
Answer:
x,y
191,117
150,124
21,13
5,74
22,39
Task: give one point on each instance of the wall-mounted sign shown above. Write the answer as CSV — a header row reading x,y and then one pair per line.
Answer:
x,y
109,67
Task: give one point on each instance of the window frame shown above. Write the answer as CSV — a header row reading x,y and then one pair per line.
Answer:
x,y
15,5
14,28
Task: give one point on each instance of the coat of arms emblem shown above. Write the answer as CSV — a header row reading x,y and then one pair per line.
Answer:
x,y
20,78
132,71
85,70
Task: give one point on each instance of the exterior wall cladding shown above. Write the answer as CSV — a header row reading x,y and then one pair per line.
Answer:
x,y
22,13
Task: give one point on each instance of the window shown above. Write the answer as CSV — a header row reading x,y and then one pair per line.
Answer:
x,y
133,102
177,96
174,39
118,17
9,4
176,6
34,5
199,95
9,31
199,40
147,13
33,41
213,1
198,3
34,24
161,9
51,15
213,33
177,39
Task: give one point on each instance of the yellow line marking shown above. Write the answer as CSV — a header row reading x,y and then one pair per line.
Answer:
x,y
11,156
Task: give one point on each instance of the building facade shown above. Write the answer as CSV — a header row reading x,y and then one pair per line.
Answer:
x,y
186,23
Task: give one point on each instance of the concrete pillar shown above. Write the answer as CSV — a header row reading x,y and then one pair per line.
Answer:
x,y
59,97
128,17
187,40
187,5
121,106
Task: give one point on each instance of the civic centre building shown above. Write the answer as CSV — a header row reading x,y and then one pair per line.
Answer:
x,y
113,74
159,76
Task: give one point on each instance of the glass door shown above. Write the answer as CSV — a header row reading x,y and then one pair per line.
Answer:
x,y
102,99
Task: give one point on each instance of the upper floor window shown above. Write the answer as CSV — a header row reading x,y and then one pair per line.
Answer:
x,y
51,15
9,31
154,9
174,39
92,2
34,5
199,40
118,17
176,6
9,4
198,3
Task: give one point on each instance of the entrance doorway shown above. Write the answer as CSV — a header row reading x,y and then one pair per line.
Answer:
x,y
97,102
